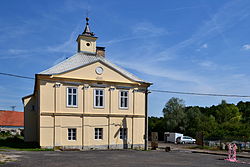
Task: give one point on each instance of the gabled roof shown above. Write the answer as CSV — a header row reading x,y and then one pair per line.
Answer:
x,y
11,118
81,59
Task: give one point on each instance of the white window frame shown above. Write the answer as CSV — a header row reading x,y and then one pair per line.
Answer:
x,y
123,135
98,133
124,97
71,133
103,98
73,94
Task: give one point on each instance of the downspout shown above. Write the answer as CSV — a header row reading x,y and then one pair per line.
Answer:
x,y
110,108
133,118
109,118
54,131
57,85
85,89
83,110
146,119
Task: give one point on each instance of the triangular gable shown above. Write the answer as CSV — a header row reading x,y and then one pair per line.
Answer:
x,y
88,72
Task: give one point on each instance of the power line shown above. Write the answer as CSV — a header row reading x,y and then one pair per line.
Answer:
x,y
199,94
159,91
14,75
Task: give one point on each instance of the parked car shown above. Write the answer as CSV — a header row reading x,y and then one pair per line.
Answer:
x,y
186,139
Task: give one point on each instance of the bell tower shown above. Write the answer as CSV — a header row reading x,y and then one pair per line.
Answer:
x,y
87,40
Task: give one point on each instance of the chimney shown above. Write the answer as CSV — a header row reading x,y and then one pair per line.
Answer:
x,y
100,51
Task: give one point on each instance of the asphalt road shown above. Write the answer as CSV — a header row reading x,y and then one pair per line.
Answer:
x,y
117,158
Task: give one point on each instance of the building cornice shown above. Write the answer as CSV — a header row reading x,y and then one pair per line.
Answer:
x,y
91,115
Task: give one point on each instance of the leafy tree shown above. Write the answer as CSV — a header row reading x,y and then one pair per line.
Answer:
x,y
218,122
244,108
225,112
174,115
194,121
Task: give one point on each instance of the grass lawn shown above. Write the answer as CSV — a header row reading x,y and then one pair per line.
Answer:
x,y
205,148
17,143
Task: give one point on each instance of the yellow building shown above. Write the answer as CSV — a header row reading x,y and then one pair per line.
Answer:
x,y
86,102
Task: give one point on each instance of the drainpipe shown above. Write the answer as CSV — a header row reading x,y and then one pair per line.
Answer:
x,y
146,119
57,85
111,89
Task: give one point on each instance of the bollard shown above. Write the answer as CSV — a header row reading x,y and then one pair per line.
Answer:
x,y
167,149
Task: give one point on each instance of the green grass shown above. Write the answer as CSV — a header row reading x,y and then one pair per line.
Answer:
x,y
205,148
25,149
17,143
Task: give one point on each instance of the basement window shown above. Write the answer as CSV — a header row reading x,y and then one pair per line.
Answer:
x,y
71,134
98,133
71,97
123,99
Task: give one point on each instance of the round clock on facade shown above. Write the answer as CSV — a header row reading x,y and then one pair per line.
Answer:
x,y
99,70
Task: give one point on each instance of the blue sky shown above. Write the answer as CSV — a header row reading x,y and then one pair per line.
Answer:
x,y
193,46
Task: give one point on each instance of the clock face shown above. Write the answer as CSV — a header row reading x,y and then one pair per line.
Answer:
x,y
99,70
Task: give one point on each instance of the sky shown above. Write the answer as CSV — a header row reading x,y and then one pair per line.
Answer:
x,y
191,46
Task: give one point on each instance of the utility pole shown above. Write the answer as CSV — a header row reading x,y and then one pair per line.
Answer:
x,y
13,108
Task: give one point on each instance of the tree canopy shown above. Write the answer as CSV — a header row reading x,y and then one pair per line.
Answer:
x,y
223,121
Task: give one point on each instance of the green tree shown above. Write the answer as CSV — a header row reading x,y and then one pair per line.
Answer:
x,y
174,115
225,112
244,109
194,121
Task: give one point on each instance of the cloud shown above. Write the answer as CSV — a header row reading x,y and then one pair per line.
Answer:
x,y
14,57
154,70
68,46
204,46
59,60
184,8
148,28
231,14
72,6
17,51
207,64
246,47
142,30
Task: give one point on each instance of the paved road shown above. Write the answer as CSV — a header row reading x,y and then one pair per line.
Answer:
x,y
117,158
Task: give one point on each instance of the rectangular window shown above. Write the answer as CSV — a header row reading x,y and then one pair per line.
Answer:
x,y
123,133
71,134
99,98
98,133
123,99
72,97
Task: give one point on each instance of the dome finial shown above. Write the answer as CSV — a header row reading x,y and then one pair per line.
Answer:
x,y
87,29
87,20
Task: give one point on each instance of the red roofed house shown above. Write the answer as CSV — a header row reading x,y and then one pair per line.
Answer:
x,y
11,121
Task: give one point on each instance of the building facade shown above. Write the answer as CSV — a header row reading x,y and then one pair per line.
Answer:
x,y
86,102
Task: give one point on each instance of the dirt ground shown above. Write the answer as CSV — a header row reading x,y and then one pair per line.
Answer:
x,y
4,158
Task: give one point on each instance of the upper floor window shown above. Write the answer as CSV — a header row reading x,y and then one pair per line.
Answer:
x,y
123,98
99,98
72,97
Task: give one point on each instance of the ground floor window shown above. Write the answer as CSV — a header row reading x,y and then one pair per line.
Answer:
x,y
71,134
123,133
98,133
